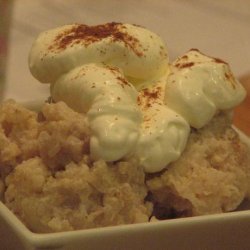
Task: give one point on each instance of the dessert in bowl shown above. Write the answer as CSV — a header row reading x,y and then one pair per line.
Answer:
x,y
127,137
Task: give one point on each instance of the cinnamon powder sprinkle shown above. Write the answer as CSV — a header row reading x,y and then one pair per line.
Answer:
x,y
229,76
218,60
86,35
194,49
184,65
148,97
122,81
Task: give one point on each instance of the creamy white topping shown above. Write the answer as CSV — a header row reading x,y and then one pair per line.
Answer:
x,y
164,133
198,86
92,68
110,103
140,53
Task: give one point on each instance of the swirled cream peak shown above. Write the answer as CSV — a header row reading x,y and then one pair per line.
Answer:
x,y
110,103
198,86
164,133
140,53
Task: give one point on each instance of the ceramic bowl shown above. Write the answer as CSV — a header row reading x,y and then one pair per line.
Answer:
x,y
219,231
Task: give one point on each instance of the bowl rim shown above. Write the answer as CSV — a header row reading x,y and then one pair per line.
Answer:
x,y
40,238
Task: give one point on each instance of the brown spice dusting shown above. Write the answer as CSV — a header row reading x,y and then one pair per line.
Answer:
x,y
196,50
193,49
79,74
86,35
122,81
148,97
113,69
138,25
218,60
184,65
229,76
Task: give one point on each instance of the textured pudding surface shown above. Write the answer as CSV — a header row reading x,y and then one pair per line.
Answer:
x,y
211,176
51,183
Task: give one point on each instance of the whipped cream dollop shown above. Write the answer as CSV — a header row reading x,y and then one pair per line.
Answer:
x,y
110,102
136,104
140,53
90,68
198,86
164,132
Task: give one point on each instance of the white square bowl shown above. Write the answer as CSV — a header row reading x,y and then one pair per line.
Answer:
x,y
219,231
